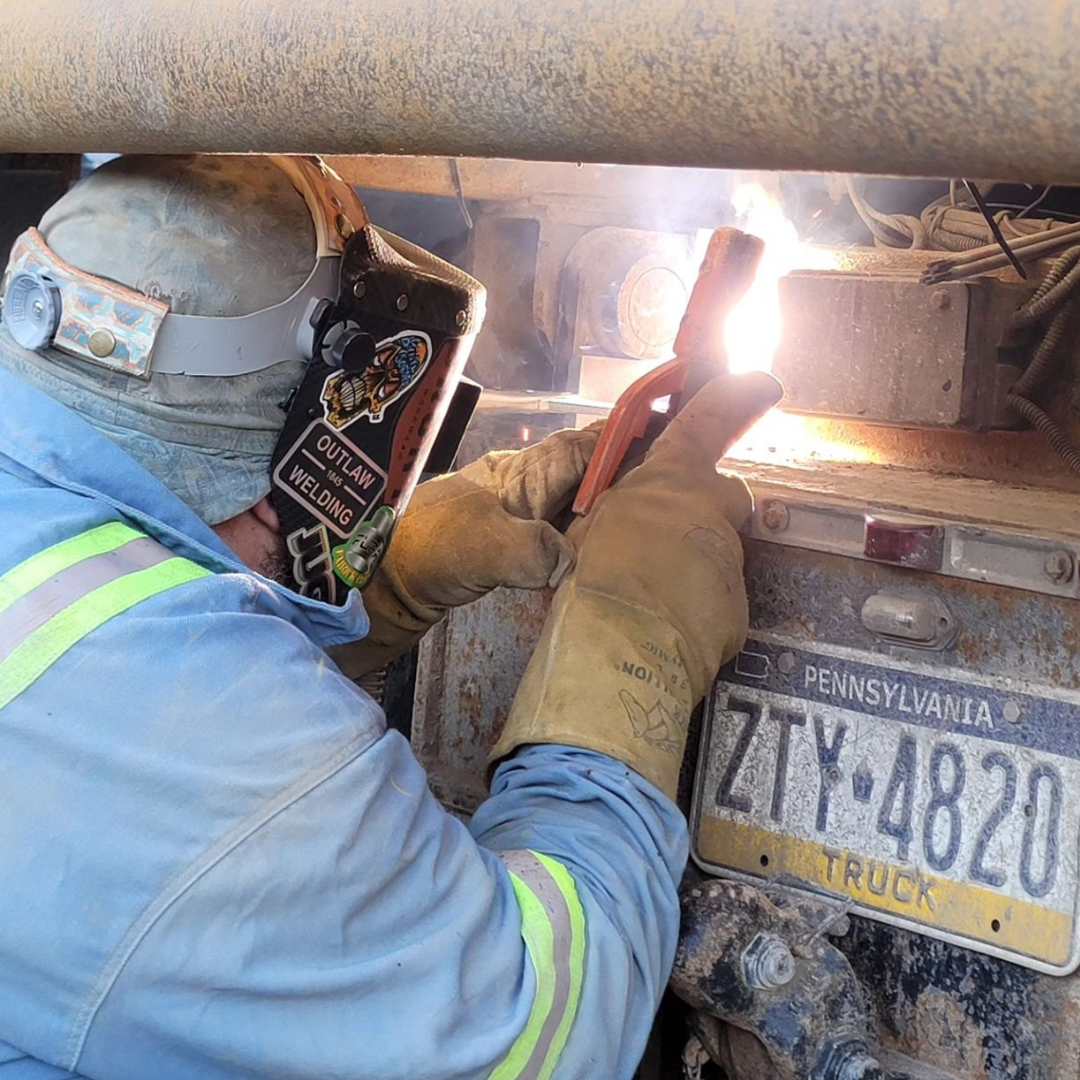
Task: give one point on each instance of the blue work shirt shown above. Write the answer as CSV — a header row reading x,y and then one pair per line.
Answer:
x,y
217,863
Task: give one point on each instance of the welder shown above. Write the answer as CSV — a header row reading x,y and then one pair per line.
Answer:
x,y
215,859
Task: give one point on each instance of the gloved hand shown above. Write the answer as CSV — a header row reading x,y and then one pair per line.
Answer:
x,y
656,602
467,533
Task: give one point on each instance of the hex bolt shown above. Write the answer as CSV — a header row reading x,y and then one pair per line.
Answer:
x,y
767,962
849,1061
941,299
863,1067
1059,566
774,515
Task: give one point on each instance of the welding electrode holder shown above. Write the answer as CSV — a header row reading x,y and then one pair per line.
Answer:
x,y
727,271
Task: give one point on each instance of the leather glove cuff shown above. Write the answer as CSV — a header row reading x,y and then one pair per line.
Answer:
x,y
398,622
608,676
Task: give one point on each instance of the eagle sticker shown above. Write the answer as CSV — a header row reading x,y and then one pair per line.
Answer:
x,y
399,361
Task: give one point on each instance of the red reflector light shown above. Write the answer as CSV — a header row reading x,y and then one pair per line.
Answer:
x,y
917,546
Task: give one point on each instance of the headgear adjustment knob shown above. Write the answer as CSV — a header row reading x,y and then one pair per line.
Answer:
x,y
353,350
31,309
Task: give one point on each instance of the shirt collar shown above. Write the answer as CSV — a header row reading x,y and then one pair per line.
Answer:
x,y
52,442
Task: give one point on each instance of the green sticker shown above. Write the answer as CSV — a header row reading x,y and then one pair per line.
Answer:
x,y
356,560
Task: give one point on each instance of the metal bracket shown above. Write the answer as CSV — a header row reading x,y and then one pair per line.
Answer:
x,y
998,556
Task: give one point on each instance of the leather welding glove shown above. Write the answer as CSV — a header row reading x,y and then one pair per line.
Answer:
x,y
656,601
467,533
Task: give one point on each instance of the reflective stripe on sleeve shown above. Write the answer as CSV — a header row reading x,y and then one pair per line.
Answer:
x,y
553,927
55,598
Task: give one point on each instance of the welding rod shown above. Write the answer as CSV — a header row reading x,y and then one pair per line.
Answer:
x,y
989,257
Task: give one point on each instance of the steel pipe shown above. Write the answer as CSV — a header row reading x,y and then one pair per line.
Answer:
x,y
985,88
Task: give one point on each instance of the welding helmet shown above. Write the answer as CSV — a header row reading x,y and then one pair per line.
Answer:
x,y
154,338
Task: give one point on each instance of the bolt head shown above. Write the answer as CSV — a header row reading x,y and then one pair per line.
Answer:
x,y
941,300
38,308
402,302
774,515
1059,566
359,290
767,962
848,1060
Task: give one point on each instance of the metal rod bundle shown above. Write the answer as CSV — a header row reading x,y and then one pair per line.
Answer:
x,y
990,257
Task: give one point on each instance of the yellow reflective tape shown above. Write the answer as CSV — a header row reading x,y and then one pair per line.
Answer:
x,y
553,928
577,958
46,645
539,941
30,573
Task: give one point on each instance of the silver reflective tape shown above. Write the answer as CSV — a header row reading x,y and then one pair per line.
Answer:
x,y
32,611
544,887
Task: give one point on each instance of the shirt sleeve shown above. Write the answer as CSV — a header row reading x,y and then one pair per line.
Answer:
x,y
623,845
358,930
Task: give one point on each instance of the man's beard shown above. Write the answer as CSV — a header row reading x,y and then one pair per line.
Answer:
x,y
277,566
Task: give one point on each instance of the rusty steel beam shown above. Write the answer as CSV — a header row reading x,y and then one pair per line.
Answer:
x,y
982,88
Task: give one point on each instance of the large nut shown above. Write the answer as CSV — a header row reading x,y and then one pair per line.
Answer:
x,y
767,962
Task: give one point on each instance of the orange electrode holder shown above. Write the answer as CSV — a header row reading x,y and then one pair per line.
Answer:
x,y
730,263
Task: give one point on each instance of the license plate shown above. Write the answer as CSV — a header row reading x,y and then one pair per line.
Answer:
x,y
937,800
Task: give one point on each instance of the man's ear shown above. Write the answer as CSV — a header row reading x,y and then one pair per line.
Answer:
x,y
267,515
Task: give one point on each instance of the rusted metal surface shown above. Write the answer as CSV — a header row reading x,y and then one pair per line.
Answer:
x,y
890,350
470,667
972,1016
764,967
975,1018
582,191
937,1008
964,87
1040,512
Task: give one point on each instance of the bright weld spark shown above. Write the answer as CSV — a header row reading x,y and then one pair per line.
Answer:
x,y
753,330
